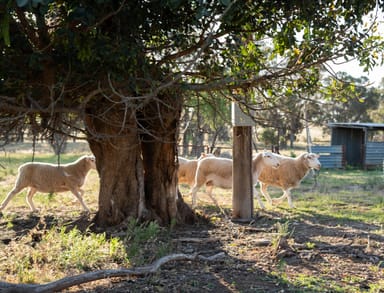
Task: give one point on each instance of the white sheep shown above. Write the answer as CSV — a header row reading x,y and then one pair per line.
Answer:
x,y
288,176
213,171
187,169
49,178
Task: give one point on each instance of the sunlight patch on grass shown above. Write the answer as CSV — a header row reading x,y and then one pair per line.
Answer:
x,y
60,252
344,206
311,283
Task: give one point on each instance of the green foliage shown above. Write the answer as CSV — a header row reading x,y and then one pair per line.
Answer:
x,y
268,136
143,242
59,251
230,44
78,250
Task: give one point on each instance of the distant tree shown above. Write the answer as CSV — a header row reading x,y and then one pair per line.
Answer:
x,y
377,115
349,99
210,120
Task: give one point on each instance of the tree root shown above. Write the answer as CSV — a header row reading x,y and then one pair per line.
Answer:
x,y
70,281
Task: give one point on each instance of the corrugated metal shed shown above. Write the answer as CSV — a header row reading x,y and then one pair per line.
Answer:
x,y
368,126
359,151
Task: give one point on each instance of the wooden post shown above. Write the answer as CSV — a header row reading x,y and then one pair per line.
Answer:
x,y
242,189
242,198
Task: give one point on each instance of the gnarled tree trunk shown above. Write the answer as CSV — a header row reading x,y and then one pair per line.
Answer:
x,y
137,161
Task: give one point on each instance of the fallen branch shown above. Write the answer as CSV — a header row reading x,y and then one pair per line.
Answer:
x,y
195,240
102,274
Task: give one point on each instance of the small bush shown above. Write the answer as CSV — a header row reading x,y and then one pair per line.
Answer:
x,y
144,242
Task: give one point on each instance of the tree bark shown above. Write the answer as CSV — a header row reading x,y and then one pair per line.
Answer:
x,y
159,149
119,164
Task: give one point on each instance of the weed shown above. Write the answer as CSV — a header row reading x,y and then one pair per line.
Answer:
x,y
310,245
9,218
116,249
143,242
78,250
24,273
376,287
283,232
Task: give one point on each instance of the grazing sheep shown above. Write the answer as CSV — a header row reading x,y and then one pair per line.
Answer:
x,y
187,169
218,172
288,175
48,178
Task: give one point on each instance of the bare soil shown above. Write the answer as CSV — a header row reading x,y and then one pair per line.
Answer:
x,y
317,254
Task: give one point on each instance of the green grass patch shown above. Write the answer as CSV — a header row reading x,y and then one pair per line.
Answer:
x,y
60,252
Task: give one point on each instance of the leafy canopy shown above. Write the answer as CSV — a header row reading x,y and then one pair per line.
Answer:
x,y
56,56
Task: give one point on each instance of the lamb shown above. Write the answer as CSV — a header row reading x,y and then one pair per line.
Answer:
x,y
48,178
288,175
218,172
187,169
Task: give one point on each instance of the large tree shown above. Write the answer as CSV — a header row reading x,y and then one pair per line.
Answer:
x,y
124,68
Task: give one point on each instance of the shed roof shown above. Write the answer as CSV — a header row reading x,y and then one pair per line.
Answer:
x,y
368,126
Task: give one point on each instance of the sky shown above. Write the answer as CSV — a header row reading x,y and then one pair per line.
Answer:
x,y
352,68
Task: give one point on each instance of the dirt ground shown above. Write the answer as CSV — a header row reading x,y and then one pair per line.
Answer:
x,y
315,254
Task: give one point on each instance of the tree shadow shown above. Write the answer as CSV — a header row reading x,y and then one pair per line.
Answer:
x,y
18,225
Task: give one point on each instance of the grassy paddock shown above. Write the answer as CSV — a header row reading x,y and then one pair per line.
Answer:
x,y
352,194
340,196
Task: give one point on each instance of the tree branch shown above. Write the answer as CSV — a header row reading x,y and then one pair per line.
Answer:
x,y
27,28
12,108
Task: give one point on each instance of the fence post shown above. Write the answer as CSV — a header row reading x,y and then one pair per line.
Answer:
x,y
242,187
242,198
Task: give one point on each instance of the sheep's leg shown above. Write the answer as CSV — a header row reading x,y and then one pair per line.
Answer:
x,y
290,203
280,199
286,194
30,194
265,193
193,191
10,195
257,195
208,189
79,195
